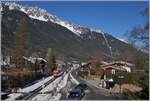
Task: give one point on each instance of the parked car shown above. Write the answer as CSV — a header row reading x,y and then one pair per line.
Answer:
x,y
82,86
76,94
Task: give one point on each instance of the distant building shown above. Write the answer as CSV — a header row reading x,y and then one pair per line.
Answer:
x,y
40,62
33,60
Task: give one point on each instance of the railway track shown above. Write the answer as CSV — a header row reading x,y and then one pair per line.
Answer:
x,y
30,95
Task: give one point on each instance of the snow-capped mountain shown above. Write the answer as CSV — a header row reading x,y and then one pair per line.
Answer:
x,y
43,15
48,31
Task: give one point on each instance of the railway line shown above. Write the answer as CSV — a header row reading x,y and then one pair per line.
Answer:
x,y
30,95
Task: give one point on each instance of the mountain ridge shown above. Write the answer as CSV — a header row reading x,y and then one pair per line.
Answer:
x,y
43,15
45,34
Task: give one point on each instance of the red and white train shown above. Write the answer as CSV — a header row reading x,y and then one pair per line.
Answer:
x,y
57,73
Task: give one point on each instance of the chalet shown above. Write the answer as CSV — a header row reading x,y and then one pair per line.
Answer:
x,y
40,62
117,65
34,60
112,68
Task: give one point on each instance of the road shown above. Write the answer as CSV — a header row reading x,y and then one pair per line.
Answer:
x,y
97,94
94,93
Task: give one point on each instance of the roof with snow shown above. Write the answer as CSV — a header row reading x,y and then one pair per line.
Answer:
x,y
33,60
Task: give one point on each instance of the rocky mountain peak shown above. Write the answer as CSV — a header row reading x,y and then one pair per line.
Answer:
x,y
43,15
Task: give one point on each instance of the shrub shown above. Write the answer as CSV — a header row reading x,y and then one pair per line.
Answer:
x,y
83,73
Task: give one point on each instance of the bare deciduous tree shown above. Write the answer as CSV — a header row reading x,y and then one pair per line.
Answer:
x,y
140,35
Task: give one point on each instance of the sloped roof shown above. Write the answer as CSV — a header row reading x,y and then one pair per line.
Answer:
x,y
117,62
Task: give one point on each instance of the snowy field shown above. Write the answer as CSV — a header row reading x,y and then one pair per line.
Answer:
x,y
36,85
55,86
74,80
28,89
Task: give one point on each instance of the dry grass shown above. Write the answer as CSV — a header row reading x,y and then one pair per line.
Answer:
x,y
126,87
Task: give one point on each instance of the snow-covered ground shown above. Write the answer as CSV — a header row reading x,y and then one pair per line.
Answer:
x,y
74,80
47,97
36,85
56,85
13,96
57,97
63,82
51,86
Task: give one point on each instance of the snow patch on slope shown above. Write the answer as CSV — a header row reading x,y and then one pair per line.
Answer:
x,y
43,15
38,18
123,40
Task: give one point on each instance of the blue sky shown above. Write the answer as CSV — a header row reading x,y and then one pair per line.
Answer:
x,y
116,18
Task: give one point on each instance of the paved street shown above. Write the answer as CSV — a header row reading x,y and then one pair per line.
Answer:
x,y
94,93
97,94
